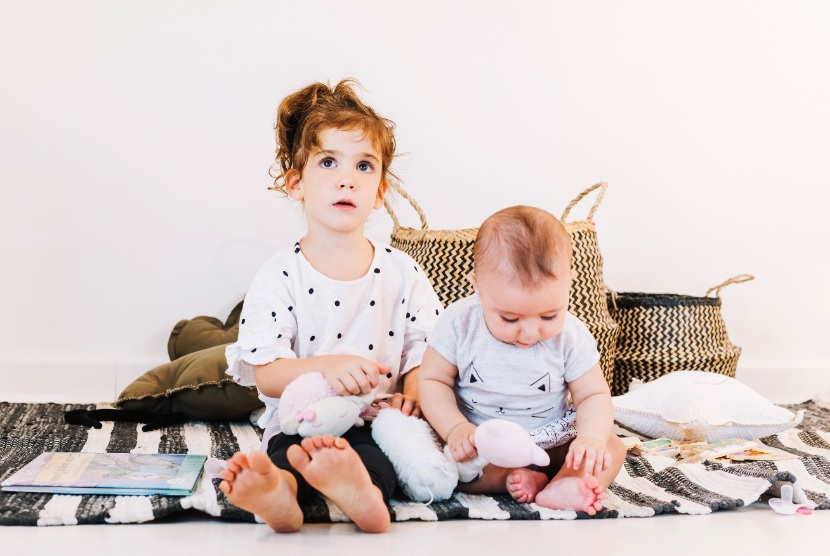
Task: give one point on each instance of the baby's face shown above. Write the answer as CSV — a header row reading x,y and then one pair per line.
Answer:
x,y
519,315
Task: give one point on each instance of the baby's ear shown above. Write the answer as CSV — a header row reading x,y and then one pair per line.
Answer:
x,y
471,278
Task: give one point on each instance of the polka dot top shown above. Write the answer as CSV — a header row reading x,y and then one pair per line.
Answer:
x,y
292,310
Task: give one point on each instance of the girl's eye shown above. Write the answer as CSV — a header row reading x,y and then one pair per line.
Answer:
x,y
327,163
365,167
509,321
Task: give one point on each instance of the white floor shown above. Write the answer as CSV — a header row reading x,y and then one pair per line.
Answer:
x,y
752,530
755,529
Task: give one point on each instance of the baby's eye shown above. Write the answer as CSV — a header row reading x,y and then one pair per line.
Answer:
x,y
548,317
327,163
365,166
509,321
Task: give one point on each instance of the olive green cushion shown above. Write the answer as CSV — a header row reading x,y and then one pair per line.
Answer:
x,y
192,335
195,385
194,382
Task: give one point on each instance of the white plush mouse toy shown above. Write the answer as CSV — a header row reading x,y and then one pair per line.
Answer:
x,y
427,473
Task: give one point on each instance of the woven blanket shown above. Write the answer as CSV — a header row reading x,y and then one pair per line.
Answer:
x,y
646,486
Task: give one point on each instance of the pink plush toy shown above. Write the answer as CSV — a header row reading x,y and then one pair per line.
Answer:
x,y
309,406
504,444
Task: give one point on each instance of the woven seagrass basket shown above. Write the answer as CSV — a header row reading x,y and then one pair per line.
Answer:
x,y
445,255
587,301
661,333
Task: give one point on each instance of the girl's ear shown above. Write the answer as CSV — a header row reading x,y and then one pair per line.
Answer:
x,y
381,194
292,185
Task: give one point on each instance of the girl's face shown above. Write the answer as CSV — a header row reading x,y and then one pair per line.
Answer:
x,y
341,182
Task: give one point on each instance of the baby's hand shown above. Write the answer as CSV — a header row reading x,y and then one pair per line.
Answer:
x,y
352,374
408,405
590,450
462,442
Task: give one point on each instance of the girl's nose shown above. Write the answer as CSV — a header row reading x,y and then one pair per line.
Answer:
x,y
347,180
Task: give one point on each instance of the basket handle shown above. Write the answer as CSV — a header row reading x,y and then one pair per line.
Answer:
x,y
400,190
603,187
614,295
734,280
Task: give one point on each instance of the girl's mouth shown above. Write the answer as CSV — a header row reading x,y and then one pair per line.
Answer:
x,y
344,204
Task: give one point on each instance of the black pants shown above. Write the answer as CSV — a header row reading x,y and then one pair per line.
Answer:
x,y
377,464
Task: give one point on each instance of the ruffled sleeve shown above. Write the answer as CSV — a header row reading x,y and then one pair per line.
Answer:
x,y
423,310
267,326
445,336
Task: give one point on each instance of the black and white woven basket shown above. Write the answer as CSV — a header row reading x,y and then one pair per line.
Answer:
x,y
445,255
587,299
661,333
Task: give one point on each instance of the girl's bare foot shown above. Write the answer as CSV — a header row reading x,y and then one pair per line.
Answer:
x,y
255,484
524,484
332,467
582,493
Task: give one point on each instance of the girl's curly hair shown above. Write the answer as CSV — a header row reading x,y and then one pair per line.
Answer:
x,y
302,116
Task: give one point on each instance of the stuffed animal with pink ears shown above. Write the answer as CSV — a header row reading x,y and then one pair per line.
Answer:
x,y
310,406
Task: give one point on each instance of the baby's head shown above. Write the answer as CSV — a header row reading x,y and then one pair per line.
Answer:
x,y
302,116
522,274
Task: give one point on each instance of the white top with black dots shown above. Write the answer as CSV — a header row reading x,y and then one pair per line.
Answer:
x,y
292,310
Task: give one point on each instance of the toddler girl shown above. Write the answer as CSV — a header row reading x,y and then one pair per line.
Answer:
x,y
334,302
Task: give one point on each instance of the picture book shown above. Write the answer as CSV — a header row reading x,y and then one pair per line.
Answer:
x,y
105,473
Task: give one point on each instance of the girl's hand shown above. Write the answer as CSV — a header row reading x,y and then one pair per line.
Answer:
x,y
352,374
589,450
408,405
462,443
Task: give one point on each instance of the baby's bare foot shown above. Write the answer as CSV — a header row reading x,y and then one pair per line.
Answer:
x,y
524,484
332,466
582,493
255,484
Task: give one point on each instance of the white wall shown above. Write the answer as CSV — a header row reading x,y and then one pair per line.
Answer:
x,y
135,139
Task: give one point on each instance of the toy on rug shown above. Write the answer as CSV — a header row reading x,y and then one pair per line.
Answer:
x,y
502,443
427,473
424,473
309,406
792,501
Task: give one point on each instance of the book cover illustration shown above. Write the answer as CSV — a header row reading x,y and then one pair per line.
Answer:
x,y
109,473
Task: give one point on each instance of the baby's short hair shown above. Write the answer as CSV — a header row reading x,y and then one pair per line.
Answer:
x,y
528,241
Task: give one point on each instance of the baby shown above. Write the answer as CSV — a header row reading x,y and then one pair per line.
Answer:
x,y
513,351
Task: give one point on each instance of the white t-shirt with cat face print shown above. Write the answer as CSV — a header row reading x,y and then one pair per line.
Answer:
x,y
293,311
500,381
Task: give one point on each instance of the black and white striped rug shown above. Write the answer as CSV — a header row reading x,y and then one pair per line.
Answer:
x,y
646,486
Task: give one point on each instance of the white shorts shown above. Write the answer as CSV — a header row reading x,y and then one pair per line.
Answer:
x,y
556,433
